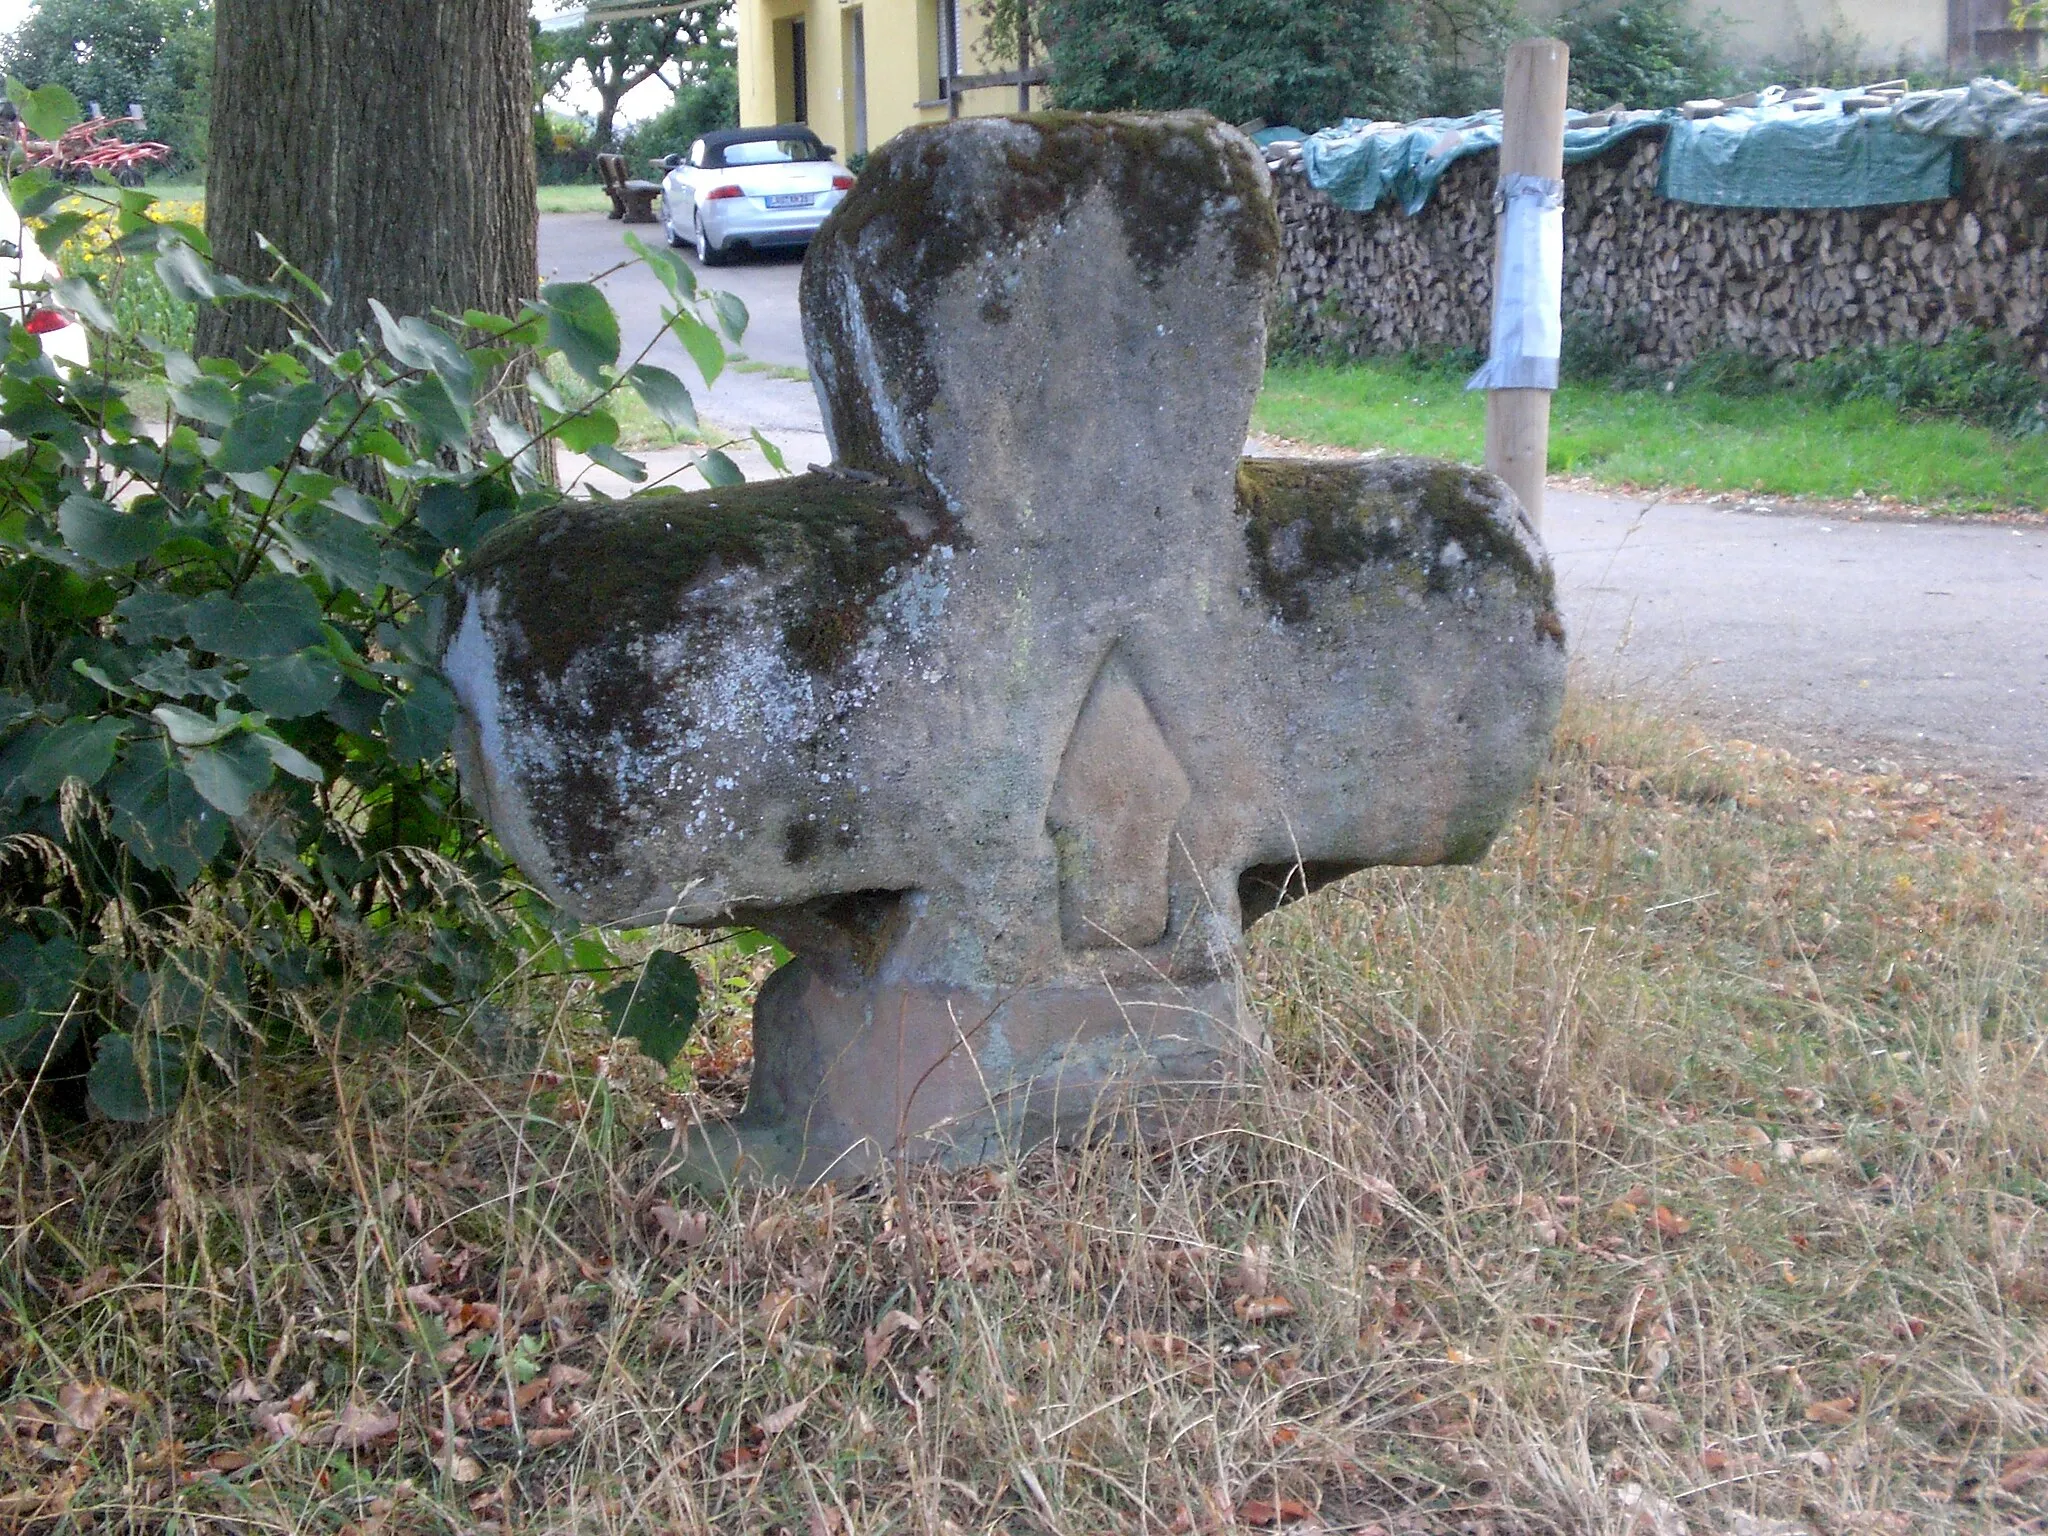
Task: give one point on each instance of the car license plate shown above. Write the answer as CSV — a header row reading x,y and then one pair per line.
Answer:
x,y
789,199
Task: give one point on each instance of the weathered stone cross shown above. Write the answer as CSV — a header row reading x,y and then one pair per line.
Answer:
x,y
1009,722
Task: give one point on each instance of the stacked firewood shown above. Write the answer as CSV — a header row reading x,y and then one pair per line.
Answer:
x,y
1674,280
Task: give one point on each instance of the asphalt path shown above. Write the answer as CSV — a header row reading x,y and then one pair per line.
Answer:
x,y
1879,644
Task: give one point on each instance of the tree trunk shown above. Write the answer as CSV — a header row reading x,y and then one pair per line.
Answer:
x,y
384,146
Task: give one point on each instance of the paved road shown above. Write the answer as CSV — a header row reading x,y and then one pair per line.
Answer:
x,y
1917,644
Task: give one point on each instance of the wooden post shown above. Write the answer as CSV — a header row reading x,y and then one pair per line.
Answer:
x,y
1532,144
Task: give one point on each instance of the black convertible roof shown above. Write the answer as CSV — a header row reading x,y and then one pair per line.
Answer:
x,y
718,138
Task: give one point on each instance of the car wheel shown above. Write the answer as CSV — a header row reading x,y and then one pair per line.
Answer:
x,y
708,255
668,227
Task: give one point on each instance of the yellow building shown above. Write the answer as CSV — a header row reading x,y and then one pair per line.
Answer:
x,y
861,71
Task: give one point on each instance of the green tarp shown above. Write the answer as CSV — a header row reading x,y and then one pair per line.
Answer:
x,y
1769,156
1777,157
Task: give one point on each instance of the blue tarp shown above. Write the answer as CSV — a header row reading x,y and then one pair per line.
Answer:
x,y
1768,156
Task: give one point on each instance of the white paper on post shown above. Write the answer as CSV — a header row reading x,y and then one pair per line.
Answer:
x,y
1528,301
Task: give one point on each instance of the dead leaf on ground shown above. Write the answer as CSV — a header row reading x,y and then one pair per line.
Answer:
x,y
1273,1512
1252,1275
85,1404
551,1435
1262,1309
2022,1469
782,1418
1669,1223
687,1229
102,1279
1835,1411
879,1340
359,1425
464,1470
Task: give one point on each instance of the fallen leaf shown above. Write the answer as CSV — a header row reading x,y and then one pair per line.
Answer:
x,y
880,1339
1756,1137
360,1424
1253,1274
687,1229
1660,1421
1821,1157
781,1419
101,1279
1262,1309
464,1470
826,1522
1909,1327
2022,1469
557,1434
228,1461
561,1376
1748,1168
1269,1512
1669,1223
1835,1411
84,1404
244,1392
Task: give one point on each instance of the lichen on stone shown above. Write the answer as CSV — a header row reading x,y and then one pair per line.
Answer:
x,y
1424,523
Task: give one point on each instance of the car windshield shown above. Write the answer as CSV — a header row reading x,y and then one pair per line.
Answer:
x,y
774,152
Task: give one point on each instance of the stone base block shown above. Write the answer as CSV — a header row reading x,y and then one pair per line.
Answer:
x,y
847,1079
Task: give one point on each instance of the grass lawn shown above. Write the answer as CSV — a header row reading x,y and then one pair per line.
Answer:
x,y
1783,444
1681,1166
575,199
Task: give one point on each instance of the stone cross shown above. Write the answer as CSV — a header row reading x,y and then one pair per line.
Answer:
x,y
1009,721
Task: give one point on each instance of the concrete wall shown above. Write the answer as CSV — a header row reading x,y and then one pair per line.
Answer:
x,y
1885,33
902,66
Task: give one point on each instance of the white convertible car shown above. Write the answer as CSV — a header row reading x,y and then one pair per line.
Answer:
x,y
752,187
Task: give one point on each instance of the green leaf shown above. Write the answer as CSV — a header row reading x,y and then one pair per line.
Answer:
x,y
38,982
419,721
293,686
701,342
80,749
274,615
448,511
668,266
191,278
416,344
732,315
428,406
106,535
54,231
35,193
266,429
345,552
134,1079
582,327
618,463
189,728
659,1007
205,399
666,395
47,112
78,295
593,429
770,452
233,773
160,816
717,469
290,758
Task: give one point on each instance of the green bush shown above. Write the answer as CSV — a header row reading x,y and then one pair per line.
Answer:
x,y
1645,53
564,154
227,804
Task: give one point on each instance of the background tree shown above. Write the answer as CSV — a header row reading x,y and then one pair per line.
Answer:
x,y
118,52
1645,53
385,146
619,56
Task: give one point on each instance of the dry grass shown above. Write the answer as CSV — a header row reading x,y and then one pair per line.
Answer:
x,y
1682,1168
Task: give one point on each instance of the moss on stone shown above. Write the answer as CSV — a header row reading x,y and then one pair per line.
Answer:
x,y
591,573
1308,523
939,199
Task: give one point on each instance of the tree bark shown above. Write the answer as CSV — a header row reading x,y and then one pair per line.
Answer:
x,y
384,146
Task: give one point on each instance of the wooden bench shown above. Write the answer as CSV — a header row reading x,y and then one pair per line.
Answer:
x,y
632,201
